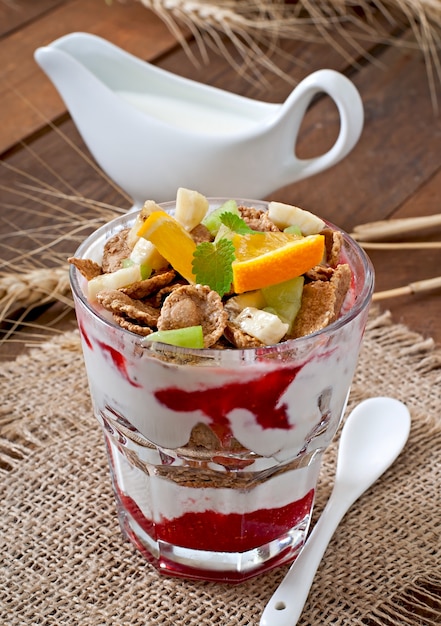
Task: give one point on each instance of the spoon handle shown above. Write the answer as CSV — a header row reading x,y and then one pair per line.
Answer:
x,y
286,604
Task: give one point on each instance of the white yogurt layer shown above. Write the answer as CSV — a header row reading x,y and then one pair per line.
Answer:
x,y
127,383
159,498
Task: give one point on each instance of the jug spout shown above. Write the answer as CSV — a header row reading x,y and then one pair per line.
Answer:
x,y
82,68
69,76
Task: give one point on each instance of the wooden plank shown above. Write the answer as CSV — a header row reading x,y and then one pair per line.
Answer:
x,y
56,161
420,312
399,150
426,201
398,267
26,223
27,97
395,169
135,29
400,146
16,13
392,268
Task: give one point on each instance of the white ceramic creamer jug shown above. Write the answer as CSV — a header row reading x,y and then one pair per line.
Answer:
x,y
152,131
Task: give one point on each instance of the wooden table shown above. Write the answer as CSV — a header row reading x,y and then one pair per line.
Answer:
x,y
394,171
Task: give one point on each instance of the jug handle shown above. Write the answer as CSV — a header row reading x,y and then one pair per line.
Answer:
x,y
350,107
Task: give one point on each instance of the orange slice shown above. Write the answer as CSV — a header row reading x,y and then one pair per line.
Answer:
x,y
269,258
171,240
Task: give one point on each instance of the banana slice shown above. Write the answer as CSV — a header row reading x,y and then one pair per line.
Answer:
x,y
265,326
284,215
191,208
113,280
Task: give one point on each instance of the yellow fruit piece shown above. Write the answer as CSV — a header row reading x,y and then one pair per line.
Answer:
x,y
171,240
269,258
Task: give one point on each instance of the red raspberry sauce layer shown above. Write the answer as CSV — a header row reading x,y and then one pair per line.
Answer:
x,y
218,532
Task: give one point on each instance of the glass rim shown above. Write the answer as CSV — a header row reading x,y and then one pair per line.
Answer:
x,y
363,298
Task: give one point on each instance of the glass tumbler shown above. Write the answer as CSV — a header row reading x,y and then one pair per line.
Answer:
x,y
214,455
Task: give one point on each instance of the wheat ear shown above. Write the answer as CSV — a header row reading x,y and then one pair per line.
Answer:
x,y
26,290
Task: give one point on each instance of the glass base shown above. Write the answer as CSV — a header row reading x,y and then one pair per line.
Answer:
x,y
190,519
228,567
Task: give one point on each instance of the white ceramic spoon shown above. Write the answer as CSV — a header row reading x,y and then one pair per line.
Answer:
x,y
371,440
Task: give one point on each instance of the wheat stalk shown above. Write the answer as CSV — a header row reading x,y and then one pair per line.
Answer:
x,y
420,286
28,289
381,229
35,273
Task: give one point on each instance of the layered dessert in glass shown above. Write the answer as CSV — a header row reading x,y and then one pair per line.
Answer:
x,y
220,338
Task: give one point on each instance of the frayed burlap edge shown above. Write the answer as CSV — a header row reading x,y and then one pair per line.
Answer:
x,y
63,558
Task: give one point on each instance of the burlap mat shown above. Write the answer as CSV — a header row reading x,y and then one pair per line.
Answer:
x,y
63,557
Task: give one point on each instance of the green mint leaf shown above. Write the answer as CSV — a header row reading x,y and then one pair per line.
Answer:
x,y
236,224
212,265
